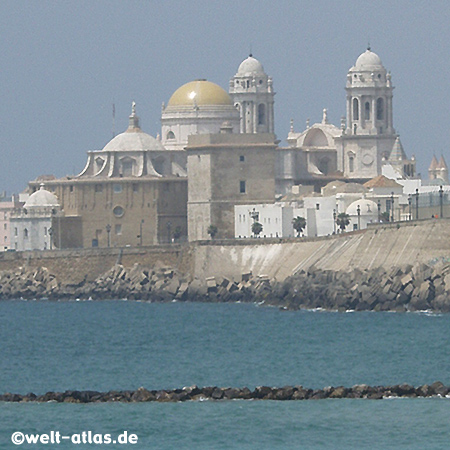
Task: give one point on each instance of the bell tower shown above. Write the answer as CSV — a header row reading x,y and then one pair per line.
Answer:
x,y
368,136
252,93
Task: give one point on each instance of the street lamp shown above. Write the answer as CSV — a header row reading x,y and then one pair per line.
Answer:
x,y
169,225
140,232
379,210
108,232
441,194
392,206
358,210
409,206
417,204
334,221
50,232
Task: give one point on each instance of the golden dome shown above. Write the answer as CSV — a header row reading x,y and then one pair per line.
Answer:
x,y
198,93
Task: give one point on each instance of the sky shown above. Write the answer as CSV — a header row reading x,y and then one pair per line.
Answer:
x,y
65,63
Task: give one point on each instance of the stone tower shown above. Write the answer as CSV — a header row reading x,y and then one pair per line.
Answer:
x,y
252,93
369,135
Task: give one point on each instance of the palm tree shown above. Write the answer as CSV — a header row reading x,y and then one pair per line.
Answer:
x,y
342,220
212,231
256,229
299,223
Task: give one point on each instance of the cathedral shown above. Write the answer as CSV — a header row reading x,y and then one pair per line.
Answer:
x,y
365,141
218,149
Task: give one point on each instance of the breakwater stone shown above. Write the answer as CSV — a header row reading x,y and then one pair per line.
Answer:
x,y
407,288
215,393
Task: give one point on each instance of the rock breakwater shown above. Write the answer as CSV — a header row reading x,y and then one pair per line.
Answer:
x,y
195,393
408,288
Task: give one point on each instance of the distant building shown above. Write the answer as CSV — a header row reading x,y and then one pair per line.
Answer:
x,y
438,170
31,225
7,206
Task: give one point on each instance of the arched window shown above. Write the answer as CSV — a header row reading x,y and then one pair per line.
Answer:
x,y
355,109
170,135
351,163
25,233
261,114
380,109
248,83
367,111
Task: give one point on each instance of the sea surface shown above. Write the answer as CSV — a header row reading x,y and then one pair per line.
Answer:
x,y
106,345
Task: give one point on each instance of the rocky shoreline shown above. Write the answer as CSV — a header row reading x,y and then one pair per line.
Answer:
x,y
409,288
195,393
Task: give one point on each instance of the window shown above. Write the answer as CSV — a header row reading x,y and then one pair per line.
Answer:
x,y
25,233
261,114
170,135
248,83
367,111
354,128
242,187
5,226
351,163
15,232
135,187
242,158
117,188
127,168
98,188
317,206
355,226
118,228
45,231
380,109
355,109
71,188
118,211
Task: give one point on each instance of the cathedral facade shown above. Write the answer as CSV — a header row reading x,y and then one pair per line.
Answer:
x,y
218,149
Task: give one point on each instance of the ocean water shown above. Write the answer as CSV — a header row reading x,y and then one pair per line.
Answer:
x,y
124,345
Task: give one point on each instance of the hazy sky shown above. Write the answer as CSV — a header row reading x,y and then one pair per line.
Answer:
x,y
65,62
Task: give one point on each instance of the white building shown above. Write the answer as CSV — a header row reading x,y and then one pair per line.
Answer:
x,y
31,225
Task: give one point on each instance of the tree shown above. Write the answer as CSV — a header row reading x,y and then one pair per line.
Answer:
x,y
299,223
212,231
256,228
342,220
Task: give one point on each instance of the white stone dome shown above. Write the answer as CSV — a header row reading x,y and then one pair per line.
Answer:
x,y
367,208
41,198
250,66
368,61
133,140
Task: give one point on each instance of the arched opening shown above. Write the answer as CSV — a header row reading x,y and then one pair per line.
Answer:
x,y
380,109
127,165
351,162
323,165
99,163
355,109
315,138
367,111
170,135
158,164
261,114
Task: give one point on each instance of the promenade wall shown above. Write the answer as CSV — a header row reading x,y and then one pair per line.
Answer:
x,y
386,246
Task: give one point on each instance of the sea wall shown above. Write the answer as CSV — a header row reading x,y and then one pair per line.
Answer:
x,y
385,246
398,267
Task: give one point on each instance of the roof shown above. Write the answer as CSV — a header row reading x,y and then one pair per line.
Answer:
x,y
199,93
368,61
41,198
250,66
381,181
